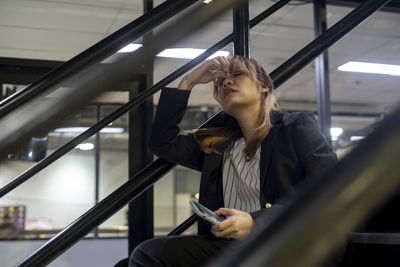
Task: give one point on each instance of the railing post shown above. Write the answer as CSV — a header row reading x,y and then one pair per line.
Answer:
x,y
97,166
322,72
241,28
140,214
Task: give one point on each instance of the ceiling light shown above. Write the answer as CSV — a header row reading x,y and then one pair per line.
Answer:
x,y
366,67
188,53
129,48
356,138
85,146
82,129
207,1
335,132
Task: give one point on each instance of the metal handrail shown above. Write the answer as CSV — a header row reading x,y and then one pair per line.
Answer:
x,y
140,182
333,34
324,212
17,181
97,52
316,47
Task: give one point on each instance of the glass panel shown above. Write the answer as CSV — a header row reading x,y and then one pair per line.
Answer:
x,y
60,193
113,169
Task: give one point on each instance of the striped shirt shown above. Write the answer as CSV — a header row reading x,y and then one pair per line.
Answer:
x,y
241,178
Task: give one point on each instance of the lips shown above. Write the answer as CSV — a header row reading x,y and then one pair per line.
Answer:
x,y
228,91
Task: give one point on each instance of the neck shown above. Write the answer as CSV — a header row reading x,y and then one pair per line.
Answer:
x,y
247,120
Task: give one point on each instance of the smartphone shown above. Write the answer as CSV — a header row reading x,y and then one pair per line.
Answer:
x,y
205,213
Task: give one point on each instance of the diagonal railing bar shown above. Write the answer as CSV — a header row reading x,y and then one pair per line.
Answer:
x,y
97,52
308,53
158,168
124,194
333,34
17,181
35,116
110,118
337,202
268,12
104,209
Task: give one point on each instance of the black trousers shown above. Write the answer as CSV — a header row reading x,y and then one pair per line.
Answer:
x,y
174,251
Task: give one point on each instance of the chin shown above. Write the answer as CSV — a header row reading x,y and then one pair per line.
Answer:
x,y
227,110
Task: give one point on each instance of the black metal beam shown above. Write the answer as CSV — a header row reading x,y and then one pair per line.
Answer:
x,y
125,108
241,27
322,72
392,6
195,19
123,194
141,210
110,118
97,150
97,52
184,225
20,74
324,211
323,42
268,12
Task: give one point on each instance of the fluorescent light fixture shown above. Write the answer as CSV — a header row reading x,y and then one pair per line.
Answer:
x,y
129,48
355,66
336,132
82,129
187,53
207,1
85,146
356,138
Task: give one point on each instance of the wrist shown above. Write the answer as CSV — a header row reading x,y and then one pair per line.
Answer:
x,y
186,83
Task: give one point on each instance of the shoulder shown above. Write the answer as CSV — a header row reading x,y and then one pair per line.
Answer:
x,y
292,118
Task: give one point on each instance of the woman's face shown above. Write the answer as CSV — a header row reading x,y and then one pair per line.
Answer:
x,y
238,91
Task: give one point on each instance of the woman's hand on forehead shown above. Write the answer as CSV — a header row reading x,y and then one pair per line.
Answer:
x,y
210,70
222,63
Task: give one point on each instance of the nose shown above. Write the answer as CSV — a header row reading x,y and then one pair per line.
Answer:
x,y
227,82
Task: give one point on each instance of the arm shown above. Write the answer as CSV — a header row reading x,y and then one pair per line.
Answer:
x,y
165,140
311,146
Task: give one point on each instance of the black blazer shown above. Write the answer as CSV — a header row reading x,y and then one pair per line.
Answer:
x,y
294,148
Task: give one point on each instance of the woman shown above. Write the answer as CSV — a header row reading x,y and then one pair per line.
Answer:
x,y
250,159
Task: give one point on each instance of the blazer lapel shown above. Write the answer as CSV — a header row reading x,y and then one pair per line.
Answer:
x,y
267,146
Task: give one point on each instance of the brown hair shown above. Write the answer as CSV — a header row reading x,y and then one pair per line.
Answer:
x,y
208,138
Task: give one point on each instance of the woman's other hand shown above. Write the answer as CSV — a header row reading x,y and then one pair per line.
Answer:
x,y
208,71
237,224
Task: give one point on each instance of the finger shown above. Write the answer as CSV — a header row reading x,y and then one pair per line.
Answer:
x,y
229,232
225,224
225,64
215,65
225,212
222,225
219,74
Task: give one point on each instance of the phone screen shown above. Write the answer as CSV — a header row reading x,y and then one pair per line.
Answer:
x,y
205,213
